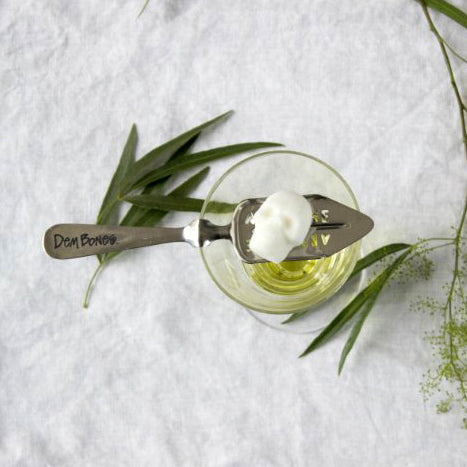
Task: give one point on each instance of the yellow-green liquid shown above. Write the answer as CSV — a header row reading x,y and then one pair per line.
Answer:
x,y
292,277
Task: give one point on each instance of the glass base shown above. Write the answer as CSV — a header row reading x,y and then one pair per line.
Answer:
x,y
319,316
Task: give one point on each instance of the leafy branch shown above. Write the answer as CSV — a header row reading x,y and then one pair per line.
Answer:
x,y
454,361
142,183
451,340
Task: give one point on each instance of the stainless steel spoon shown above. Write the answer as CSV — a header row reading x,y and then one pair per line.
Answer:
x,y
335,226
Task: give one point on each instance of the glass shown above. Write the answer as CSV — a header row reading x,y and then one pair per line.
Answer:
x,y
260,176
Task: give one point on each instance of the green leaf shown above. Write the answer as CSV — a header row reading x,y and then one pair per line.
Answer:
x,y
191,184
149,217
381,281
166,202
351,309
193,160
110,202
137,216
341,319
361,264
161,154
449,10
135,213
177,203
152,216
377,255
295,316
185,149
356,328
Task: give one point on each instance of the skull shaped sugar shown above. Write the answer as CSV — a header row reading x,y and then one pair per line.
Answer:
x,y
281,223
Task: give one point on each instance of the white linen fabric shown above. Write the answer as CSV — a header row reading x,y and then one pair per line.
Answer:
x,y
163,369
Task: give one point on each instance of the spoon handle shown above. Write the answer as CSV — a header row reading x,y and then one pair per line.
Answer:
x,y
65,241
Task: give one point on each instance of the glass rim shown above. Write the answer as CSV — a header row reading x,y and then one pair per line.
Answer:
x,y
232,169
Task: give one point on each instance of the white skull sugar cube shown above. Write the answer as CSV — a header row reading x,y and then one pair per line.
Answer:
x,y
281,223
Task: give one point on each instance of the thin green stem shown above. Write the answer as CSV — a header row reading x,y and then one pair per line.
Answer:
x,y
453,356
461,288
437,239
97,271
453,51
447,61
460,228
438,246
144,7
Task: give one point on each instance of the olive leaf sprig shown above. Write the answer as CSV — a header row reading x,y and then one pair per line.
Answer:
x,y
450,340
142,182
